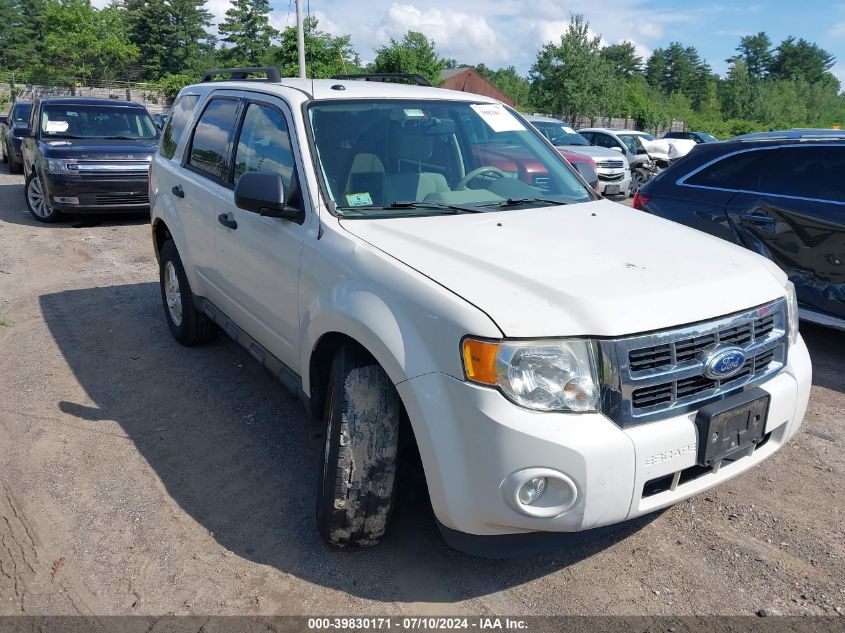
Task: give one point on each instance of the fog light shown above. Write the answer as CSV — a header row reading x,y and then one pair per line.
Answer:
x,y
66,199
532,490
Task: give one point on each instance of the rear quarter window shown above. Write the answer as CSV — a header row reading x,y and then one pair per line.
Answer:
x,y
180,113
739,171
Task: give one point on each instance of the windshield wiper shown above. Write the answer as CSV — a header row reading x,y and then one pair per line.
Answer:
x,y
512,202
124,138
402,204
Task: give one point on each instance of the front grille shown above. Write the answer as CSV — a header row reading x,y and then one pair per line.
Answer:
x,y
610,164
122,198
610,177
662,373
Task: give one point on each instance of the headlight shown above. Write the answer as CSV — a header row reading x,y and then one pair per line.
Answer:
x,y
547,375
62,166
792,312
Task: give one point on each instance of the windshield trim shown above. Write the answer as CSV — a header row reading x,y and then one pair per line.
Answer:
x,y
332,205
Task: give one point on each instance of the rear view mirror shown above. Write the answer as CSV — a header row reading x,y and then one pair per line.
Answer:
x,y
588,173
264,193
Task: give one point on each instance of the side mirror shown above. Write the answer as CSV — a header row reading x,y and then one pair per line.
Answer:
x,y
588,173
264,193
4,120
616,148
23,132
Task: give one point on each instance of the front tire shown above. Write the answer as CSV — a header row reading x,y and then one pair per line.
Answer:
x,y
37,200
358,480
188,325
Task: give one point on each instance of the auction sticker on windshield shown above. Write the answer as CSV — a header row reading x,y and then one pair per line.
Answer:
x,y
497,117
358,199
56,126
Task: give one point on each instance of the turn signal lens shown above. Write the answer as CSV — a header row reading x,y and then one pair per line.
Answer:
x,y
480,360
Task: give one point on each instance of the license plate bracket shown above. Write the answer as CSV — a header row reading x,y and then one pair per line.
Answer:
x,y
611,190
731,425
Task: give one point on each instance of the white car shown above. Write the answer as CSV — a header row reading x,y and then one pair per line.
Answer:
x,y
612,167
422,267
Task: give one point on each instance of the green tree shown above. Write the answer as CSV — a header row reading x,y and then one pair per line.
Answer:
x,y
570,78
801,60
325,54
16,44
679,69
84,43
248,33
738,91
514,86
756,52
623,59
415,53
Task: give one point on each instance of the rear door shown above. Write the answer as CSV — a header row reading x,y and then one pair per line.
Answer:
x,y
795,216
202,186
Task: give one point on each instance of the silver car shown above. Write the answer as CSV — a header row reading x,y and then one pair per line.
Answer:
x,y
612,167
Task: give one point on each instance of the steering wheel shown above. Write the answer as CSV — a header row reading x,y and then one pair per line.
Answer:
x,y
475,173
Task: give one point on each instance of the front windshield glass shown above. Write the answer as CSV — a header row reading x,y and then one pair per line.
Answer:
x,y
20,114
96,121
559,134
385,158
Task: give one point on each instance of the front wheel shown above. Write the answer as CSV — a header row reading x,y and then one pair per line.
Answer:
x,y
357,484
639,177
37,200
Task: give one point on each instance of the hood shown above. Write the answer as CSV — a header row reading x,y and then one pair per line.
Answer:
x,y
99,149
668,148
594,152
596,268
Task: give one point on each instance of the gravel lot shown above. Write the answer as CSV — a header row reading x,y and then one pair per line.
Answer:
x,y
140,477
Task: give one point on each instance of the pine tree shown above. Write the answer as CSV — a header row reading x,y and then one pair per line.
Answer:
x,y
248,32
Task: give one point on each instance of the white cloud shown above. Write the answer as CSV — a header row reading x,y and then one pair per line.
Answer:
x,y
468,38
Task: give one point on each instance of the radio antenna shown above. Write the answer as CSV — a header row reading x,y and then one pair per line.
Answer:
x,y
300,39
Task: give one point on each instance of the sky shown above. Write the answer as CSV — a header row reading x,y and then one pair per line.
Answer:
x,y
510,32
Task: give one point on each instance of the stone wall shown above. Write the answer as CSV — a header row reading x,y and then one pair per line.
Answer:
x,y
154,101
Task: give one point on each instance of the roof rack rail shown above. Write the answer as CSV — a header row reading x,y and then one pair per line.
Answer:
x,y
242,74
387,77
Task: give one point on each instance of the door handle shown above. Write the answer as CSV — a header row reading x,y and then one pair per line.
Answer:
x,y
227,220
763,220
178,191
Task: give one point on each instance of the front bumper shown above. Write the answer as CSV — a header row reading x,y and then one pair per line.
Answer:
x,y
471,439
615,179
112,193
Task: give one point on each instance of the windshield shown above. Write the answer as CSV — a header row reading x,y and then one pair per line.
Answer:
x,y
559,134
20,113
96,121
387,158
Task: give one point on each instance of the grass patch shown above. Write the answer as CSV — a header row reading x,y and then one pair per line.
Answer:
x,y
4,322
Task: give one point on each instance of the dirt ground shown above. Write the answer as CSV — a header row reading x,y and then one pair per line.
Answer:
x,y
140,477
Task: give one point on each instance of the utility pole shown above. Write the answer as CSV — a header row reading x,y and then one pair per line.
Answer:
x,y
300,38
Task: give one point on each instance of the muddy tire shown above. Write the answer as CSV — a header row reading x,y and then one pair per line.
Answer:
x,y
357,484
188,325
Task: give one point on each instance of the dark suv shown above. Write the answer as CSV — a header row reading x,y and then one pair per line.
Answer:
x,y
87,155
779,194
10,138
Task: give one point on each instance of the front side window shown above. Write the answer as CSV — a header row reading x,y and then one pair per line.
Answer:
x,y
264,144
405,157
96,121
605,140
560,134
21,112
210,144
181,111
807,172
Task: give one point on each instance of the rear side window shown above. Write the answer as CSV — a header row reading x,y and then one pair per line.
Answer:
x,y
807,172
179,115
740,171
264,144
210,145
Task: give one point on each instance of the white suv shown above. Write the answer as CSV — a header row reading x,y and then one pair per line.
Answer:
x,y
424,268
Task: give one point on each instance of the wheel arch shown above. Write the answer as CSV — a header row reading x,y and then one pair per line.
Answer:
x,y
161,233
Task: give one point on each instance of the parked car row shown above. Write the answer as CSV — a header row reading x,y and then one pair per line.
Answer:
x,y
423,268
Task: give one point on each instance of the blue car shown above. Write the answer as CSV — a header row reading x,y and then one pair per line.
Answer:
x,y
781,194
10,138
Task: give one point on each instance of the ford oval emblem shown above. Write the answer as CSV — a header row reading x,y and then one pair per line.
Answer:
x,y
723,362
